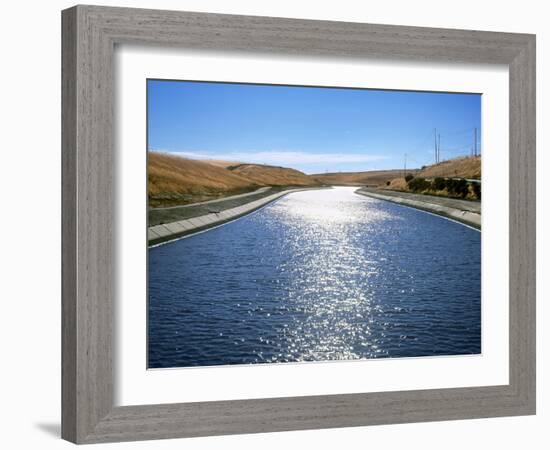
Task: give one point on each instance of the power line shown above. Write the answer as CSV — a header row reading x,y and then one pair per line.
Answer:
x,y
436,134
474,149
458,148
435,145
455,132
423,142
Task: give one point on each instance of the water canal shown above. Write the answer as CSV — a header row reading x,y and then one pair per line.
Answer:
x,y
315,276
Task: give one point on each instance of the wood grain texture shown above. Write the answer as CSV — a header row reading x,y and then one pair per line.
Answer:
x,y
68,226
523,224
89,37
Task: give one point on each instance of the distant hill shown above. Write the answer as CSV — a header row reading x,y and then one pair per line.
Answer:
x,y
272,175
466,167
175,180
373,177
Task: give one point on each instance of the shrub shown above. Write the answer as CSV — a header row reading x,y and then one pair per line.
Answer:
x,y
388,183
476,189
439,183
419,184
458,187
450,185
409,177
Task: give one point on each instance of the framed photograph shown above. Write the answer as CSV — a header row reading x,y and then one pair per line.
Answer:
x,y
277,224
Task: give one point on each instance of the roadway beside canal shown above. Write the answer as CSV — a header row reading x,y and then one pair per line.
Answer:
x,y
199,217
465,211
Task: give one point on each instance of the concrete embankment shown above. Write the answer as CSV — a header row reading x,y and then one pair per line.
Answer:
x,y
463,211
169,231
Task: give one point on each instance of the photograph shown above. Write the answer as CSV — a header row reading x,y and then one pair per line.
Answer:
x,y
295,224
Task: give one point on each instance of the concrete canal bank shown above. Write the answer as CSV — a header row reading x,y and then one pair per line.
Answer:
x,y
464,211
160,233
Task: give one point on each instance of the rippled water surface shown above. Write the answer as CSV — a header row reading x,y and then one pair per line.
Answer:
x,y
317,275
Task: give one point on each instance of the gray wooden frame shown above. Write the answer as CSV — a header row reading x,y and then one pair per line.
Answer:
x,y
89,36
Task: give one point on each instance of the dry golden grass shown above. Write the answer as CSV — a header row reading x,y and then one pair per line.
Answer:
x,y
221,163
374,177
273,176
397,184
172,179
466,167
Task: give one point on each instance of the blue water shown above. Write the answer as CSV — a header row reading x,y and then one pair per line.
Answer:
x,y
317,275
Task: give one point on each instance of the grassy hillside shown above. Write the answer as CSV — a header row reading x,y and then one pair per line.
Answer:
x,y
221,163
467,167
374,177
272,176
173,180
444,179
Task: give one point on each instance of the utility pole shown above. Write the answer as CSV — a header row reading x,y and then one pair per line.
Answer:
x,y
405,167
438,148
475,141
435,145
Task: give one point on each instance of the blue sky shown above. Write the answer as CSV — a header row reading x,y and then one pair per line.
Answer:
x,y
314,130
